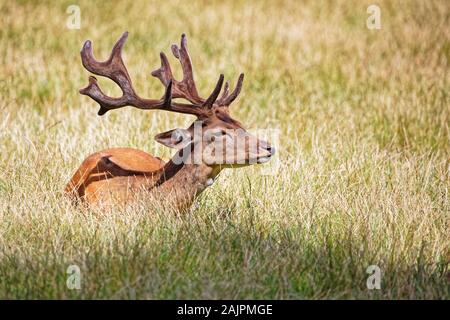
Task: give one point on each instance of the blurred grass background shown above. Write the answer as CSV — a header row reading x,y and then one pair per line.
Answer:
x,y
364,151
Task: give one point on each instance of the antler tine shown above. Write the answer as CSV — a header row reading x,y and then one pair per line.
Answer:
x,y
225,99
113,68
187,84
213,97
164,73
185,88
226,90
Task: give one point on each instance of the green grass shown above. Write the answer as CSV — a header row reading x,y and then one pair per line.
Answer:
x,y
364,152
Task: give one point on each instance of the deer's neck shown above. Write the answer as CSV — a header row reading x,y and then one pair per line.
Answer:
x,y
179,184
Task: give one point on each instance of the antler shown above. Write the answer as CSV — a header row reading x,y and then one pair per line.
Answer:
x,y
226,99
186,88
114,69
181,89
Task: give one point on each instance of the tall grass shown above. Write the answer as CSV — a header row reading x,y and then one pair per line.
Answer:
x,y
364,152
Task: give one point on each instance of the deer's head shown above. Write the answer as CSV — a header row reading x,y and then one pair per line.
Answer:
x,y
215,138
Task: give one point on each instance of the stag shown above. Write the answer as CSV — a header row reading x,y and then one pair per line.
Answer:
x,y
118,174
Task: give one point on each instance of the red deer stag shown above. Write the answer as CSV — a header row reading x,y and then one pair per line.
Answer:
x,y
117,174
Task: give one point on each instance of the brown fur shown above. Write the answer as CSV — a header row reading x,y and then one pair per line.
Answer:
x,y
99,180
99,170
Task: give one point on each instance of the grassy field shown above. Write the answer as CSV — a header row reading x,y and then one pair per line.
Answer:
x,y
363,175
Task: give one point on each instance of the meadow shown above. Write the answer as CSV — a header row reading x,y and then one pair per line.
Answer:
x,y
363,171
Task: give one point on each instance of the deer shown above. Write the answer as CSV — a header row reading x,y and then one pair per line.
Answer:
x,y
116,175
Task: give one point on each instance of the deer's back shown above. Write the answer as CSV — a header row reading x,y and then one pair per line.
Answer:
x,y
117,172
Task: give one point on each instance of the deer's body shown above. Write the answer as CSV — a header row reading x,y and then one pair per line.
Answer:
x,y
120,174
114,171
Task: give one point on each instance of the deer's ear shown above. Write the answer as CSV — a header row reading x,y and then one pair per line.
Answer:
x,y
176,138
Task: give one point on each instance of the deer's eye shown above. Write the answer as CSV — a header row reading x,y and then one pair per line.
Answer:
x,y
219,133
213,135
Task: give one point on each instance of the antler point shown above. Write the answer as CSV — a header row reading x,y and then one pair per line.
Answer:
x,y
183,41
87,45
102,111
